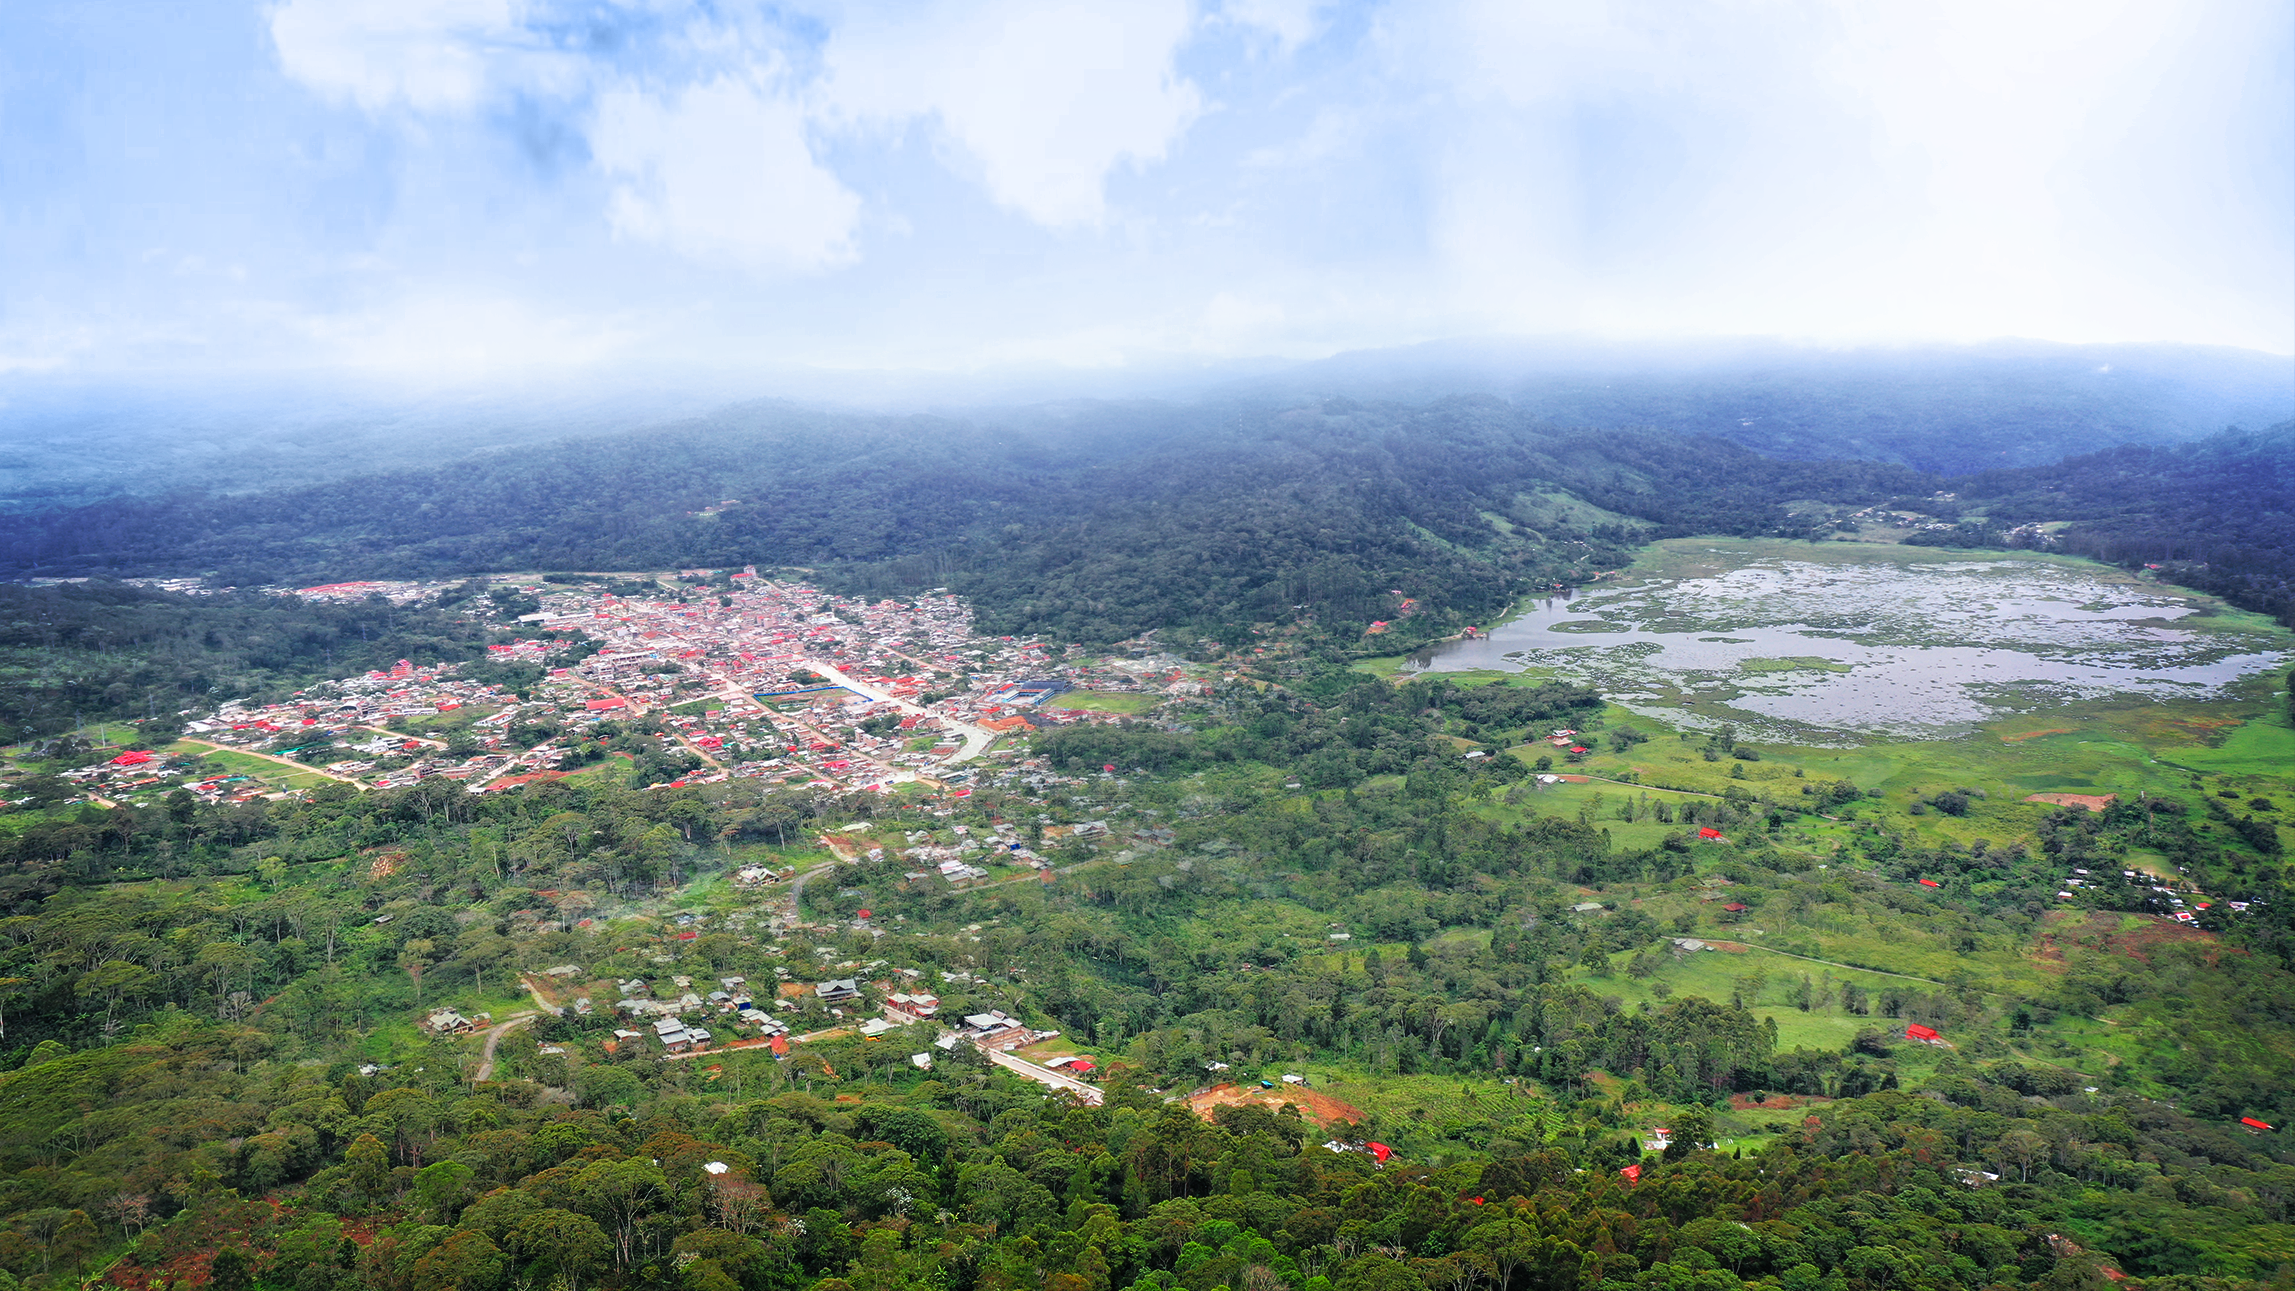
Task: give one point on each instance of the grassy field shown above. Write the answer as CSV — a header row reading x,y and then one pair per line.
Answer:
x,y
1426,1117
1105,701
231,762
440,725
2182,750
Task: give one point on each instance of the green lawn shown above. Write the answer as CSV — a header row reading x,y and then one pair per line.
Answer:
x,y
1104,701
232,762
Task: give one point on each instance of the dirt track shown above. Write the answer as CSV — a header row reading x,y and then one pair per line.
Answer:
x,y
493,1039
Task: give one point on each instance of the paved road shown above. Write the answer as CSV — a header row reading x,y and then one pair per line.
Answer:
x,y
493,1038
976,740
1045,1075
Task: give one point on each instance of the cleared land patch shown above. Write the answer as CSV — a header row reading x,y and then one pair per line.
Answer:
x,y
2092,801
1320,1107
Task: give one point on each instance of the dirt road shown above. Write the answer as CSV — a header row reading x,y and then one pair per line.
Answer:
x,y
797,885
267,757
493,1038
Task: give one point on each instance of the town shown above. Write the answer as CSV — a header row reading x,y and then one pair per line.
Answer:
x,y
739,676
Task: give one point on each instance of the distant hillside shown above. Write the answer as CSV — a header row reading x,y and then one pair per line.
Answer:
x,y
67,441
1954,410
2218,514
1096,524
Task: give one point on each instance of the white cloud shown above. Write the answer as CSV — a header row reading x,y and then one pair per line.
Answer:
x,y
450,333
427,54
1292,22
722,170
1045,97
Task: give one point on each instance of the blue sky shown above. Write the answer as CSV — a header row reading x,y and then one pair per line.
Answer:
x,y
469,187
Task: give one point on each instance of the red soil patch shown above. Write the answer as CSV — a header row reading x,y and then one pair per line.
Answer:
x,y
2100,930
1727,947
1576,779
1745,1103
1318,1107
2092,801
388,864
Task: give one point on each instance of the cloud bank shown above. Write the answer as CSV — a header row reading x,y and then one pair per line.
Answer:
x,y
335,183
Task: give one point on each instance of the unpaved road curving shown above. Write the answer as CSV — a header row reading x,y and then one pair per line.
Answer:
x,y
494,1037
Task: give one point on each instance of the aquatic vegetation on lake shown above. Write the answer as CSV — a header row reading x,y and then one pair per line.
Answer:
x,y
1927,647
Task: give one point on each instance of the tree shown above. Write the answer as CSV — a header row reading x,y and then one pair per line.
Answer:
x,y
569,1243
466,1261
232,1269
1692,1131
441,1187
367,1163
415,957
617,1194
113,982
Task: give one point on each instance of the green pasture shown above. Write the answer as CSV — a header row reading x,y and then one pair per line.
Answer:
x,y
231,762
1420,1114
2174,749
1105,701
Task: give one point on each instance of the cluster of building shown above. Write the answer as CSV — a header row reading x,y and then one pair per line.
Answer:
x,y
749,677
676,1022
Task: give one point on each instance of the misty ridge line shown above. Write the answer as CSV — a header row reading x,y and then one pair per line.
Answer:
x,y
1953,409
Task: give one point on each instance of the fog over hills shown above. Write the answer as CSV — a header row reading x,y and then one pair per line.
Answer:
x,y
1952,409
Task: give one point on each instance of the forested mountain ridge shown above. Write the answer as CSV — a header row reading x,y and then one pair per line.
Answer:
x,y
2217,514
66,441
1124,519
1951,409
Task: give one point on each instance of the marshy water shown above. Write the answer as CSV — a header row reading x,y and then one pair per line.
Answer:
x,y
1880,646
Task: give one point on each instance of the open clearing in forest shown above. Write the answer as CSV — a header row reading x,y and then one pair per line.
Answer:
x,y
1319,1107
2133,935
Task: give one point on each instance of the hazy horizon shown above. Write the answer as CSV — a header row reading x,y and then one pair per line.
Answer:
x,y
506,190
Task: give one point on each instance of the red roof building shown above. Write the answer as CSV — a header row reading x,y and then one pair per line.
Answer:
x,y
2252,1123
1930,883
1915,1031
1708,831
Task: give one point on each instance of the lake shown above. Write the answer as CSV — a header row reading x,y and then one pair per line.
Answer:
x,y
1879,641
